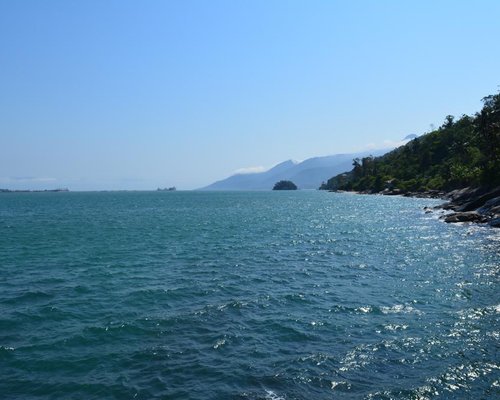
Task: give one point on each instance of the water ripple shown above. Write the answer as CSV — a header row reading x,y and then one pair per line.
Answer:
x,y
244,296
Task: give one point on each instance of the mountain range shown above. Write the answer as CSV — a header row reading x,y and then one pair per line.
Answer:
x,y
308,174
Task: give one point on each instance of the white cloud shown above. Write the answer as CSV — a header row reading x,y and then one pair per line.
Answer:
x,y
250,170
395,143
386,144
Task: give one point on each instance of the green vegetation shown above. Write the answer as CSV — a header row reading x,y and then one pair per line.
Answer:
x,y
460,153
285,185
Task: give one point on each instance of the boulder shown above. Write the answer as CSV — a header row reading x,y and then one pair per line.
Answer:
x,y
468,216
394,192
479,201
447,206
490,206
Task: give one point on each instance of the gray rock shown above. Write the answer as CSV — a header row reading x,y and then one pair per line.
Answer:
x,y
490,205
479,201
468,216
448,206
394,192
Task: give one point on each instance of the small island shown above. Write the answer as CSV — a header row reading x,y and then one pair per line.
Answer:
x,y
285,185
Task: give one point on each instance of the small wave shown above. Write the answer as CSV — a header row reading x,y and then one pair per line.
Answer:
x,y
399,309
316,359
295,297
453,380
119,329
462,376
395,327
336,385
357,358
270,395
234,305
28,297
6,352
353,310
425,392
219,343
478,313
368,309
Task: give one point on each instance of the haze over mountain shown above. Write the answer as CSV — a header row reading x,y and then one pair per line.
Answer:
x,y
308,174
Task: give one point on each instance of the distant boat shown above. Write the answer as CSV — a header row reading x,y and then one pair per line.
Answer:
x,y
170,189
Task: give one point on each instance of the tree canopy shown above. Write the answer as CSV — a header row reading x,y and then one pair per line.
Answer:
x,y
461,152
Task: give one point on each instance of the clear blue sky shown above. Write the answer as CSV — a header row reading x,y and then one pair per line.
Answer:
x,y
139,94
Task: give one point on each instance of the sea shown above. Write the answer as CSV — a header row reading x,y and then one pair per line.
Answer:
x,y
244,295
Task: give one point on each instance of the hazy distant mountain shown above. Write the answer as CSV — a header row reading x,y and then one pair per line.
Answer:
x,y
308,174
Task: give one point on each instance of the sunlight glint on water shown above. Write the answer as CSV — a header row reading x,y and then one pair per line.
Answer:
x,y
271,295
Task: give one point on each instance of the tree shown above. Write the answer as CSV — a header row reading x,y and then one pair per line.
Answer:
x,y
487,126
357,168
462,152
285,185
448,122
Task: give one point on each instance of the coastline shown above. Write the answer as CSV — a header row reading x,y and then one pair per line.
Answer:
x,y
478,205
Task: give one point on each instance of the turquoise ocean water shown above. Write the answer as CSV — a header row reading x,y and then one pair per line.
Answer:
x,y
264,295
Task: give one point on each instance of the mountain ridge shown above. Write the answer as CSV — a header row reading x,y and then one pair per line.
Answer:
x,y
307,174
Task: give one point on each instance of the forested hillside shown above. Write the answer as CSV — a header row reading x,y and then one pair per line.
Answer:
x,y
460,153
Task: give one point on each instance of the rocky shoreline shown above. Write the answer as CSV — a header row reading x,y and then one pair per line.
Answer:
x,y
478,205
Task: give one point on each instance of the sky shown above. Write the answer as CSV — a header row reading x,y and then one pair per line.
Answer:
x,y
143,94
